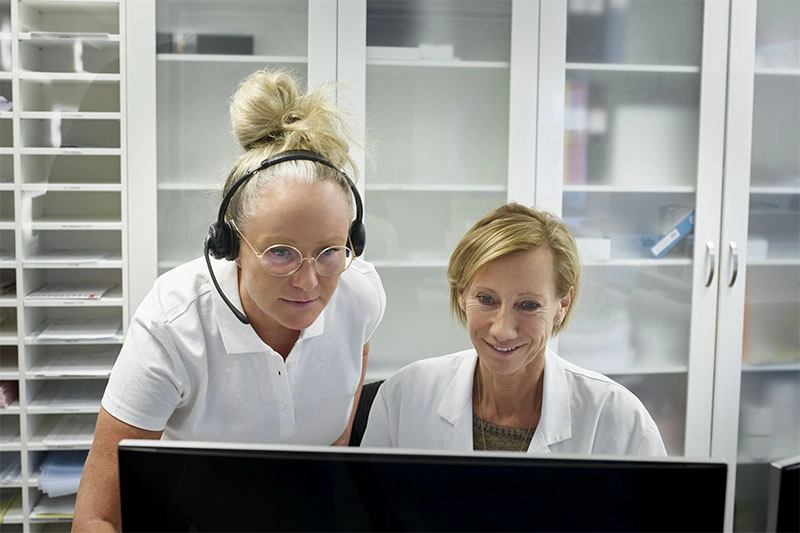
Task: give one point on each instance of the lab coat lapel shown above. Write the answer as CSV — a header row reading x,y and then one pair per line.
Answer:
x,y
555,424
456,407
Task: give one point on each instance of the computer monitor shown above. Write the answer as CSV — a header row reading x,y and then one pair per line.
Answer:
x,y
194,486
783,498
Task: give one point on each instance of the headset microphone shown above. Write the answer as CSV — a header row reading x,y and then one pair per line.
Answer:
x,y
242,318
222,242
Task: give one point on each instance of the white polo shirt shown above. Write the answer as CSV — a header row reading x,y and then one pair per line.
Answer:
x,y
428,404
189,367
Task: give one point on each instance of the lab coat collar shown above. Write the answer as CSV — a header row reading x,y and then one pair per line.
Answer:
x,y
241,338
555,424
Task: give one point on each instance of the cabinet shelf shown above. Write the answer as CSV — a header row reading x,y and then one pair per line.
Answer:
x,y
438,63
435,187
789,72
644,262
410,263
198,187
671,189
644,371
776,190
771,367
622,67
225,58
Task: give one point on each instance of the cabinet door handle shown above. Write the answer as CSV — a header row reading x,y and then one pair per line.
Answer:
x,y
712,262
735,257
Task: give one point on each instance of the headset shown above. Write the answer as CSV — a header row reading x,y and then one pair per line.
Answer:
x,y
222,240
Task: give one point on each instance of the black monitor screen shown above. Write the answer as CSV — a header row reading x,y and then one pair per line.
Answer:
x,y
170,486
783,512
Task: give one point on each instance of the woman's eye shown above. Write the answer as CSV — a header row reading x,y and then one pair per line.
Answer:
x,y
281,252
529,306
485,300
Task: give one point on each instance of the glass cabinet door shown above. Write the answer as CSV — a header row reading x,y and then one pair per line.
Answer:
x,y
636,88
769,424
437,130
203,50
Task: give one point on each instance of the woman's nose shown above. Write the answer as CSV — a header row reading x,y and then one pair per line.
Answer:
x,y
504,324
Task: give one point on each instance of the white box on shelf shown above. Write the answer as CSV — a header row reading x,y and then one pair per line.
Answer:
x,y
757,247
393,52
436,51
594,249
653,145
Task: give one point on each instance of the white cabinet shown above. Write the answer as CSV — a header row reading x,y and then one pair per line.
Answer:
x,y
63,246
758,355
641,136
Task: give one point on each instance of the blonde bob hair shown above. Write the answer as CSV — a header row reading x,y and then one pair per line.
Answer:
x,y
511,228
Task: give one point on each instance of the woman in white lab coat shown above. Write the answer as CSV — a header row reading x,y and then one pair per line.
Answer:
x,y
514,279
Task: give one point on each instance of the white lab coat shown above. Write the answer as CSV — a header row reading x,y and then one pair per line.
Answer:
x,y
428,405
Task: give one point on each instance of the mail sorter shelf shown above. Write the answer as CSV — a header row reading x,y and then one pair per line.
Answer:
x,y
7,210
56,431
65,16
69,361
69,93
60,326
85,56
49,396
9,432
60,132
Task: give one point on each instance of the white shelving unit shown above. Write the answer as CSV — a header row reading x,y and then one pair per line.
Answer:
x,y
63,235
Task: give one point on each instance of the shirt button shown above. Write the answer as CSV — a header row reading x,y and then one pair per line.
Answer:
x,y
287,408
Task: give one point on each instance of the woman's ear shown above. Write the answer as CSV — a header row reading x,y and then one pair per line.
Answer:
x,y
461,302
564,304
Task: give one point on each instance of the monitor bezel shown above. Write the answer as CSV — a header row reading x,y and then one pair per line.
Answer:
x,y
424,456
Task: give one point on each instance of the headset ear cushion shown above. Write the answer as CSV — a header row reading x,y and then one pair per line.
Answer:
x,y
222,241
358,237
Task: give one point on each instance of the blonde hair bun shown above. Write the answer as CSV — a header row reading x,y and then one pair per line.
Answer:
x,y
269,113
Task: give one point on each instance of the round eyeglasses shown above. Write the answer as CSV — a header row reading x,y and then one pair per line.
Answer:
x,y
282,260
